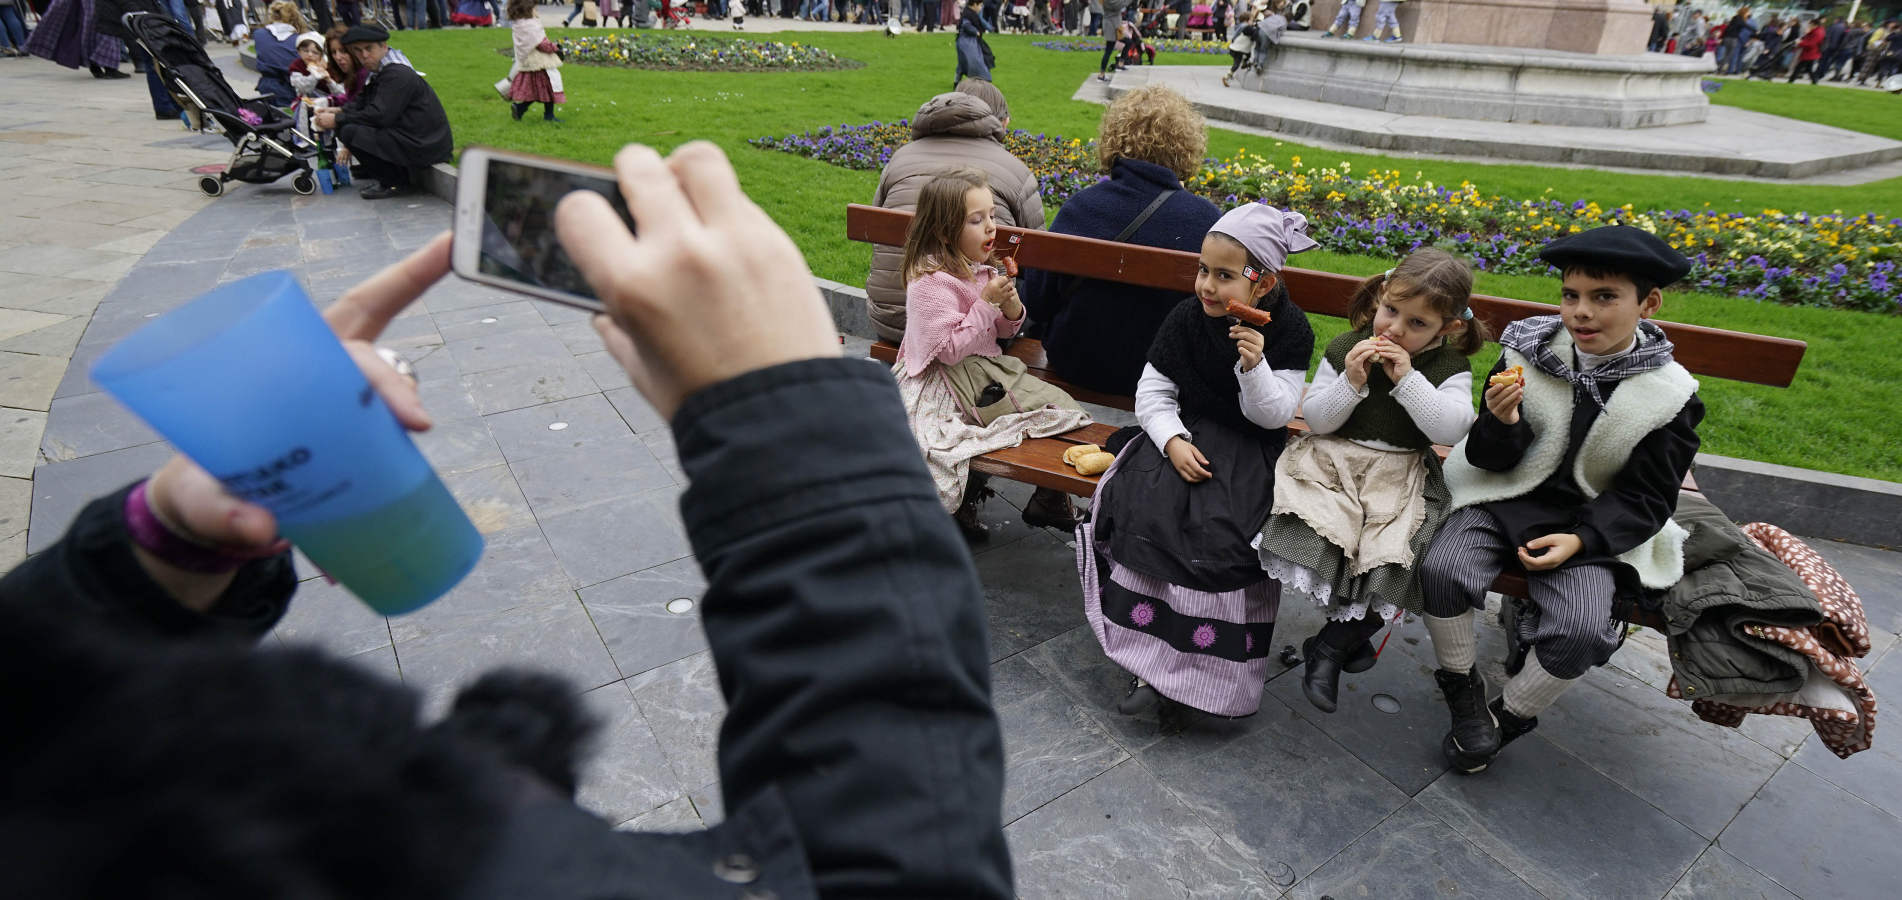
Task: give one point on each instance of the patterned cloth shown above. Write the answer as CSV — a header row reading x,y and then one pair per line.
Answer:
x,y
950,443
1205,649
65,35
1837,700
1532,338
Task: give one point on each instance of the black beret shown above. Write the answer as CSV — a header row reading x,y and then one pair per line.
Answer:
x,y
1619,248
365,34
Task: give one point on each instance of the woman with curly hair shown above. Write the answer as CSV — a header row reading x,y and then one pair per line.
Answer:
x,y
1097,333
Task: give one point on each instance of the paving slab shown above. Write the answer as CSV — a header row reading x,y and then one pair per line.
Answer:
x,y
1414,854
1719,876
1322,797
1875,774
642,618
1563,827
554,637
61,489
627,775
1698,773
1029,596
1816,839
682,703
1051,745
1124,835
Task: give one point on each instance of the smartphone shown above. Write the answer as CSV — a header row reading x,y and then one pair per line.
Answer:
x,y
505,222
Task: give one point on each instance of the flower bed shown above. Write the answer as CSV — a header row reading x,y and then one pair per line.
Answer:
x,y
1819,260
698,53
1162,45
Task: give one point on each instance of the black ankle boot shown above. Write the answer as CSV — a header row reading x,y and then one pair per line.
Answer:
x,y
1050,509
1321,681
1474,739
969,525
1511,727
1141,696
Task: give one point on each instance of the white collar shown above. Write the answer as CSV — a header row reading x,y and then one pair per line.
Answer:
x,y
1590,361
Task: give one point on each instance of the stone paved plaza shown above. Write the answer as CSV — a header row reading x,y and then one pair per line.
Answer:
x,y
1620,792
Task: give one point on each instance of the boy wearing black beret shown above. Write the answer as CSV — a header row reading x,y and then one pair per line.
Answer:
x,y
1572,470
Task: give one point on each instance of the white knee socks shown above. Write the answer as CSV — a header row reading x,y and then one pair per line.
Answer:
x,y
1454,643
1533,689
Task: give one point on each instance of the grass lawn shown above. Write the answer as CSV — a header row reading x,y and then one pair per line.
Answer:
x,y
1838,416
1870,112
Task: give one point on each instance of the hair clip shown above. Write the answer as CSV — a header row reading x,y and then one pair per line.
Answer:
x,y
1249,273
1467,314
1386,275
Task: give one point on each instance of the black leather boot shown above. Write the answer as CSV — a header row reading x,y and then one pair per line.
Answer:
x,y
1474,739
969,525
1050,509
1141,696
1321,681
1511,727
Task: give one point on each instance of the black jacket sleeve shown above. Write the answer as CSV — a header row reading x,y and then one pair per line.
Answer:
x,y
94,580
1493,445
394,89
1644,494
846,621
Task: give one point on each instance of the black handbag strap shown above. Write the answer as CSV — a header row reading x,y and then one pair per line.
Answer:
x,y
1122,236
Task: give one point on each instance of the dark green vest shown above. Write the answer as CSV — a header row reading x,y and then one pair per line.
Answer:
x,y
1380,417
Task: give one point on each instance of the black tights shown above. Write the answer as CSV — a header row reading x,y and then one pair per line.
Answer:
x,y
548,109
1348,635
1237,56
1109,53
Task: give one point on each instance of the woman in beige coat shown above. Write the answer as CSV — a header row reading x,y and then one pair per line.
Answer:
x,y
962,129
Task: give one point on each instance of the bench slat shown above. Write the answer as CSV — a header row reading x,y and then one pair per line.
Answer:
x,y
1754,358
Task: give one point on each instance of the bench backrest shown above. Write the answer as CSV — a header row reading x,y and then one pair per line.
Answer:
x,y
1735,355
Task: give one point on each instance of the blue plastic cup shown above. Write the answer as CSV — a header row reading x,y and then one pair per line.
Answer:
x,y
250,383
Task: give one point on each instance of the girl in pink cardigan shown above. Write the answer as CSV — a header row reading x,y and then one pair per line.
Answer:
x,y
957,307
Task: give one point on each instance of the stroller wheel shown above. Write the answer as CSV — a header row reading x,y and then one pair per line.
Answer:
x,y
211,185
303,183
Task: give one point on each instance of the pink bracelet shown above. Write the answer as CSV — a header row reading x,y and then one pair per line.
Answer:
x,y
149,532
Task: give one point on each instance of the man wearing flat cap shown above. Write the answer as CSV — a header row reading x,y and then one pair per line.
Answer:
x,y
395,124
1572,471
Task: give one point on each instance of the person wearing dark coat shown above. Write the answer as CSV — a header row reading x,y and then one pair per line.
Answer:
x,y
1096,334
154,747
107,20
395,123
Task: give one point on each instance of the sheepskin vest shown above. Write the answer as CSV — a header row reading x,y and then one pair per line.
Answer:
x,y
1642,404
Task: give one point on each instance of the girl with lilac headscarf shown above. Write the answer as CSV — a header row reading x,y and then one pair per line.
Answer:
x,y
1171,586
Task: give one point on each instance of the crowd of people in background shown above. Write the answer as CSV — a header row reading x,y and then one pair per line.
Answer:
x,y
1784,46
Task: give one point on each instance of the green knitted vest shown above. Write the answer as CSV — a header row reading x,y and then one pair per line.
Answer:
x,y
1380,417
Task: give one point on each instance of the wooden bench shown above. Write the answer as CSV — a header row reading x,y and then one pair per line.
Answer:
x,y
1713,352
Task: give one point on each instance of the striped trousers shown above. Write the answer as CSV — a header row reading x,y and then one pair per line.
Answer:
x,y
1575,632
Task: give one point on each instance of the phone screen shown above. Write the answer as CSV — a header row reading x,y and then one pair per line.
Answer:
x,y
518,225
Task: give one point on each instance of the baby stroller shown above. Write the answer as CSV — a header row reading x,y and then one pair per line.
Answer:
x,y
265,142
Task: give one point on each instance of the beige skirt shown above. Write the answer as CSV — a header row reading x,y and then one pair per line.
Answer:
x,y
1367,502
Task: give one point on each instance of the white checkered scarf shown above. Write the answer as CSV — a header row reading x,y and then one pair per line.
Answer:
x,y
1532,339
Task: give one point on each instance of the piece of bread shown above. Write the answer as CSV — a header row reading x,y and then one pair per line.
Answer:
x,y
1249,314
1511,375
1077,452
1094,463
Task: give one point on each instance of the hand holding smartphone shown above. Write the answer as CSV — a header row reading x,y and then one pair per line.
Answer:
x,y
505,223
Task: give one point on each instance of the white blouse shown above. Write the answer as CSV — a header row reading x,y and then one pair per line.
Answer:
x,y
1444,412
1269,399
